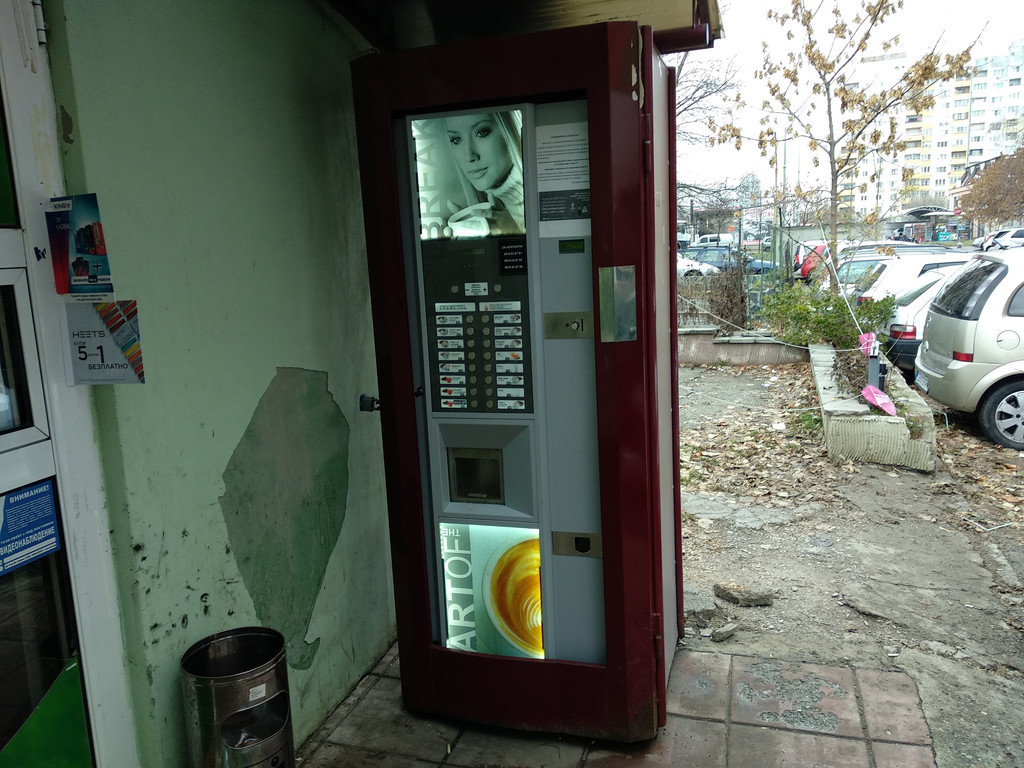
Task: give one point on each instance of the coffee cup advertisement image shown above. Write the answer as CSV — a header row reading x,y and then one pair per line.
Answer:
x,y
469,175
492,589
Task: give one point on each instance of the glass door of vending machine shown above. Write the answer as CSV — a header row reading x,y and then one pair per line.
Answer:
x,y
509,375
519,281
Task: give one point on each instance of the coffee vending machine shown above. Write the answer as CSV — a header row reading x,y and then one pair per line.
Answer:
x,y
519,206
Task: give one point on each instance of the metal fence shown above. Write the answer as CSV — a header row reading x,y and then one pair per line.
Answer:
x,y
729,299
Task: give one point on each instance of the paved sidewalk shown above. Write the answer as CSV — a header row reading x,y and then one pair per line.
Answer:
x,y
724,712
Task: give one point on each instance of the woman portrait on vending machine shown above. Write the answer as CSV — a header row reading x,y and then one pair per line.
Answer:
x,y
487,149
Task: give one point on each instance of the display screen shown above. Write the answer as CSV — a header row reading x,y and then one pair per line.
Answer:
x,y
492,589
469,174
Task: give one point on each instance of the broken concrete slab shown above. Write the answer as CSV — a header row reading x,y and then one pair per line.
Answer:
x,y
742,514
699,609
742,595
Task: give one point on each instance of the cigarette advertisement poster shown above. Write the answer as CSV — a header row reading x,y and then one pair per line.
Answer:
x,y
492,589
28,525
104,343
78,249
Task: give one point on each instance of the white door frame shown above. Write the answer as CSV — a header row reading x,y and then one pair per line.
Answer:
x,y
71,449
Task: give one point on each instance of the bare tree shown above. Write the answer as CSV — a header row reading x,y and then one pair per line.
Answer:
x,y
814,97
997,194
703,89
717,206
748,191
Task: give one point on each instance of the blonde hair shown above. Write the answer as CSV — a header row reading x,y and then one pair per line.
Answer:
x,y
510,126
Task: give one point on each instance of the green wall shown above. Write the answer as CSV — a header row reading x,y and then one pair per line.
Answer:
x,y
244,485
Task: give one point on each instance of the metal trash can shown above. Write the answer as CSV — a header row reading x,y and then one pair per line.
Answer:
x,y
237,715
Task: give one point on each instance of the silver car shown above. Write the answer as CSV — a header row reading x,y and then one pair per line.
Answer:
x,y
901,336
972,354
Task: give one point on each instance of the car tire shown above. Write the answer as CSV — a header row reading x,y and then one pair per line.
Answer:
x,y
1001,415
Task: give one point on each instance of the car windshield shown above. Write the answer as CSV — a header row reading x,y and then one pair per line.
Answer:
x,y
911,295
964,295
705,254
853,270
869,277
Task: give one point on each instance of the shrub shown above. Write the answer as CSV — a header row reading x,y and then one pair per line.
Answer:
x,y
802,315
718,299
799,314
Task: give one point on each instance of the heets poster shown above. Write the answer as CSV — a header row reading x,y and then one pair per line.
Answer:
x,y
492,589
78,249
28,525
104,343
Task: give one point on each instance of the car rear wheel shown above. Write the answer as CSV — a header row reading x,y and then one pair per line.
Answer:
x,y
1001,415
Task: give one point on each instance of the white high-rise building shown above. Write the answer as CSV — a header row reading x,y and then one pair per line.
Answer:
x,y
973,119
997,98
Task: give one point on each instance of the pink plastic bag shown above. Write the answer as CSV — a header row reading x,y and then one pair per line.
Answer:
x,y
879,399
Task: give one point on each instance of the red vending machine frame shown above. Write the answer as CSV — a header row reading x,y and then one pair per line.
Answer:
x,y
629,96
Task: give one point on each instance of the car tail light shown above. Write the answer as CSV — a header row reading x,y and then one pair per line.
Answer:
x,y
864,299
964,357
903,331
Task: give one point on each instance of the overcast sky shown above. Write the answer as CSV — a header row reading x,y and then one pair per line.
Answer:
x,y
920,24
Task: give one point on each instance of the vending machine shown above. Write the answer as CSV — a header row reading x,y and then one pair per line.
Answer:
x,y
519,206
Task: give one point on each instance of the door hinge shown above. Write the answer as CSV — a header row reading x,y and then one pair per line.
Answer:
x,y
37,12
28,17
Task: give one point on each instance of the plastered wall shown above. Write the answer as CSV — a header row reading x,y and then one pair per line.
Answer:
x,y
244,485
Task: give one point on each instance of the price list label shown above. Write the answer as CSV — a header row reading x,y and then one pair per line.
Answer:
x,y
479,355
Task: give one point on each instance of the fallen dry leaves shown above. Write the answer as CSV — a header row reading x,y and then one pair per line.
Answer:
x,y
749,455
776,455
991,477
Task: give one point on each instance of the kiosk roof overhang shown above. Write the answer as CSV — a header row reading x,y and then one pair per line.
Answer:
x,y
389,25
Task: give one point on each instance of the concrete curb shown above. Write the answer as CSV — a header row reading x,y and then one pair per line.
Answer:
x,y
853,430
699,345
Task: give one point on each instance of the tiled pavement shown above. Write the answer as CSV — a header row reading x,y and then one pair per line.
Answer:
x,y
723,712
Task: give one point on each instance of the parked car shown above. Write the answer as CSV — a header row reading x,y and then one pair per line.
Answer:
x,y
971,357
808,260
724,238
856,263
992,239
902,333
1011,239
890,276
887,247
687,267
850,270
723,258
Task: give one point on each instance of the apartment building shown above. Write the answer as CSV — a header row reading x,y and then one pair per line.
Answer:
x,y
997,99
973,119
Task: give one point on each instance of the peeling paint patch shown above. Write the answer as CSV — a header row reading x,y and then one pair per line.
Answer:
x,y
286,487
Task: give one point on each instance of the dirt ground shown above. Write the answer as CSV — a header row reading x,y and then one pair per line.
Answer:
x,y
864,565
